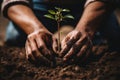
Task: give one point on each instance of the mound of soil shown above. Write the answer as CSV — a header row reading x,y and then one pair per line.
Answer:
x,y
14,66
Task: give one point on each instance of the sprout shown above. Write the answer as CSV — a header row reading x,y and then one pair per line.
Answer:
x,y
58,16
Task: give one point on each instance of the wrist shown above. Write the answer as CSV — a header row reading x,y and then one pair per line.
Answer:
x,y
24,17
34,26
86,30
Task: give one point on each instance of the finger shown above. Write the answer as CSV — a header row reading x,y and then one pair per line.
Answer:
x,y
70,53
44,50
28,49
84,47
88,52
36,54
63,43
32,43
38,41
86,56
66,48
69,41
55,45
68,45
75,49
82,51
42,59
29,52
74,35
31,58
42,46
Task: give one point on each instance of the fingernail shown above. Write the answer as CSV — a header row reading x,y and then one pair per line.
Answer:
x,y
64,59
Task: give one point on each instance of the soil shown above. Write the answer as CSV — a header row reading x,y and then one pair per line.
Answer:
x,y
14,66
104,65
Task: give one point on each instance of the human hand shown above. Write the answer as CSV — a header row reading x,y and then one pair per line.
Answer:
x,y
76,46
41,46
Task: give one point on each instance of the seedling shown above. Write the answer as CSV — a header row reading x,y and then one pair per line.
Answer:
x,y
58,16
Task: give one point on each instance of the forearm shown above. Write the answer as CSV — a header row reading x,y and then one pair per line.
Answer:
x,y
93,16
24,17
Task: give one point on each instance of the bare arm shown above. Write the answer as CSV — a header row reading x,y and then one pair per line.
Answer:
x,y
93,16
38,36
78,43
24,17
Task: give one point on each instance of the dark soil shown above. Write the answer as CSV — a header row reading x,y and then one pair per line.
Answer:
x,y
14,66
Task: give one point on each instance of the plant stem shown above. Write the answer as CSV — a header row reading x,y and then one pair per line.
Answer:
x,y
58,24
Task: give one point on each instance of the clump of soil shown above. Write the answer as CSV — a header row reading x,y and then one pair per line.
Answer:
x,y
14,66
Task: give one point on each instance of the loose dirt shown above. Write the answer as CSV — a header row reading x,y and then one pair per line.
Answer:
x,y
14,66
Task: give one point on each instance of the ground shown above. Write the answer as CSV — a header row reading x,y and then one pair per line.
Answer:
x,y
14,66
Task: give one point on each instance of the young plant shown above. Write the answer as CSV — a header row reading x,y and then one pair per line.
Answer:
x,y
58,16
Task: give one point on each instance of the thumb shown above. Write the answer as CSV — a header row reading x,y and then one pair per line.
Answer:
x,y
55,45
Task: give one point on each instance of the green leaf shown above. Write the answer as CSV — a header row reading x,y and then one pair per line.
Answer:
x,y
68,16
66,10
51,12
59,9
49,16
56,17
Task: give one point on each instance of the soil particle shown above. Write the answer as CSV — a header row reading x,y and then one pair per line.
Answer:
x,y
14,66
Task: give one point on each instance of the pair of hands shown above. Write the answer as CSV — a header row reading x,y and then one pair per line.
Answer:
x,y
76,46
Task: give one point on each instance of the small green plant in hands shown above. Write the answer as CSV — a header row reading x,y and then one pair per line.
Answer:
x,y
58,16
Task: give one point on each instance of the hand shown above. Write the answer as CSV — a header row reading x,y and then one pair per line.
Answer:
x,y
76,46
40,45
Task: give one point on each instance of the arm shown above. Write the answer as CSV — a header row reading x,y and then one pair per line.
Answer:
x,y
77,44
94,15
38,36
24,17
19,12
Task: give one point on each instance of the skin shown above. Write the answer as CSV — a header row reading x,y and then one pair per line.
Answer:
x,y
39,40
76,45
